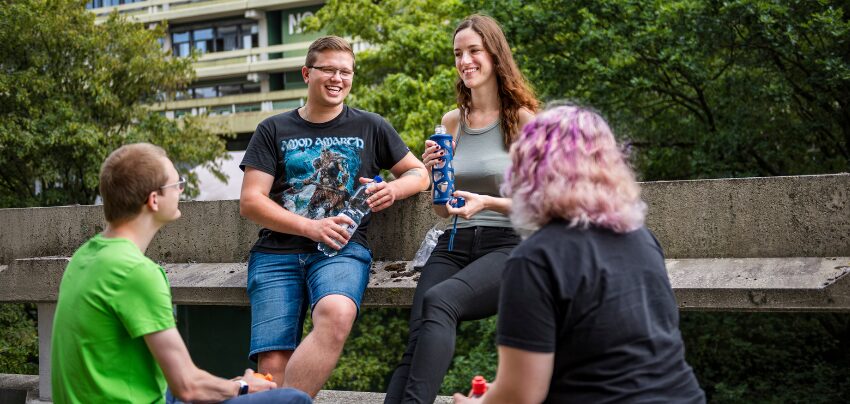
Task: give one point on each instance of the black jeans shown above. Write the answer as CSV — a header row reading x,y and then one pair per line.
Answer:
x,y
458,285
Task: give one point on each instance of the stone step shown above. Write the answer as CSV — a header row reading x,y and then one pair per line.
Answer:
x,y
20,389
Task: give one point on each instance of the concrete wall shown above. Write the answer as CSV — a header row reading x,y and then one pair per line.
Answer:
x,y
752,217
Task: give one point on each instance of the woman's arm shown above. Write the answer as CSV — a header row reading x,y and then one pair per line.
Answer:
x,y
523,377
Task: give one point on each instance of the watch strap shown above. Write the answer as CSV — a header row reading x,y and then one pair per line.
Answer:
x,y
243,387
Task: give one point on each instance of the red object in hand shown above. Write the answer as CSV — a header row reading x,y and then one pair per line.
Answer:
x,y
479,386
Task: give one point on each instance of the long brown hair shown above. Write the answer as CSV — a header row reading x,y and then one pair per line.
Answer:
x,y
514,91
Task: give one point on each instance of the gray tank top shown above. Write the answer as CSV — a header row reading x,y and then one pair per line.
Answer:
x,y
480,162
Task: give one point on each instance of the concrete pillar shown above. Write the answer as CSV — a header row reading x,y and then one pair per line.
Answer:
x,y
263,26
45,334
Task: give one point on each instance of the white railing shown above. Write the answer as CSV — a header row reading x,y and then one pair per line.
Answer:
x,y
252,54
148,11
241,99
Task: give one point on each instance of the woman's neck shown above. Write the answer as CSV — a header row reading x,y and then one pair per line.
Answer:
x,y
485,98
484,105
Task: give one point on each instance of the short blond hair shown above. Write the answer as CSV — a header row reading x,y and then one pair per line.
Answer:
x,y
128,176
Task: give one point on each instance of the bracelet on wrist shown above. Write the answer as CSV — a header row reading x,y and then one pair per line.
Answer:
x,y
243,387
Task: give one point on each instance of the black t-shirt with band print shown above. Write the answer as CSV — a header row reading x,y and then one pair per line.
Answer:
x,y
316,167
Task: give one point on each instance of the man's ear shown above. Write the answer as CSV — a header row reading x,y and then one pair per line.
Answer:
x,y
305,73
152,203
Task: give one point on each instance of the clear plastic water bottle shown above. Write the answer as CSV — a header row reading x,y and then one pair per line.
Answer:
x,y
356,209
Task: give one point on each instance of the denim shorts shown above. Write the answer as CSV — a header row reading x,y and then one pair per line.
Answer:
x,y
280,286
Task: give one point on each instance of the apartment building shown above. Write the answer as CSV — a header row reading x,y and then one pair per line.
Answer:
x,y
249,69
251,53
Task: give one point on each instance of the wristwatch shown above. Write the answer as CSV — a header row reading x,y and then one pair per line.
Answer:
x,y
243,387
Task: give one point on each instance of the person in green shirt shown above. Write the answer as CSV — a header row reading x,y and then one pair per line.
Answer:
x,y
114,337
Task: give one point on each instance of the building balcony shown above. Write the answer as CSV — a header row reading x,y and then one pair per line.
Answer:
x,y
235,113
181,11
244,62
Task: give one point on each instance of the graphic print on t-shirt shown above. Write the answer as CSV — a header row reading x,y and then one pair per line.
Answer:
x,y
321,173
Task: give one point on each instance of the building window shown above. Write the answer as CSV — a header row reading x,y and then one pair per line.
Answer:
x,y
204,40
181,44
218,90
222,37
108,3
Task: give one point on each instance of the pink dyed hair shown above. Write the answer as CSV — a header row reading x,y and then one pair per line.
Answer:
x,y
567,165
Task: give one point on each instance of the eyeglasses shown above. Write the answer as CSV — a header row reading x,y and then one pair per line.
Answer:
x,y
330,71
181,185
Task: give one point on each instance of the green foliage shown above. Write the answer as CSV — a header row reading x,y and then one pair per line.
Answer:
x,y
380,336
18,340
372,351
769,358
475,354
738,357
702,88
408,74
71,91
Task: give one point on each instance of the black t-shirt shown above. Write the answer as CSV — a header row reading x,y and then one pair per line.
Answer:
x,y
316,167
602,302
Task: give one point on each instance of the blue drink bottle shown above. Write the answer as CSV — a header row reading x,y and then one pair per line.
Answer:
x,y
443,174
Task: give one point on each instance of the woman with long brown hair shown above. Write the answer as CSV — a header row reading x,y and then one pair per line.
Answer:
x,y
462,282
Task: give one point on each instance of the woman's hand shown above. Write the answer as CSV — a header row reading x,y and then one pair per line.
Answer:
x,y
474,203
433,154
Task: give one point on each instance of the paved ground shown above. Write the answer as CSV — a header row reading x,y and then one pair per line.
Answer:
x,y
354,397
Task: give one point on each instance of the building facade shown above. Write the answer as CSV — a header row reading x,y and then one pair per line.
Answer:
x,y
250,56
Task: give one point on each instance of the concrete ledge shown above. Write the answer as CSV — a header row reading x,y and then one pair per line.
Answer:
x,y
736,284
10,381
17,389
805,216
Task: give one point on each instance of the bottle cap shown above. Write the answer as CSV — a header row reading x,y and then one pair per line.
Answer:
x,y
378,179
479,385
439,130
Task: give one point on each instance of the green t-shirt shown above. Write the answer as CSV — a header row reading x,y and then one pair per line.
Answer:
x,y
110,297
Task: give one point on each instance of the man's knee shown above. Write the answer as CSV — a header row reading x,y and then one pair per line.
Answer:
x,y
335,314
273,361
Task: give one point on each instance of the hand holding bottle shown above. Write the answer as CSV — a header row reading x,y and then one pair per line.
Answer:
x,y
382,195
442,171
356,208
472,204
433,153
330,230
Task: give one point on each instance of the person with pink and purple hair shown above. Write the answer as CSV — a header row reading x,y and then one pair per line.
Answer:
x,y
589,316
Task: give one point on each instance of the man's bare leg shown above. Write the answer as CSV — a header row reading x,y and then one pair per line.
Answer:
x,y
274,362
313,361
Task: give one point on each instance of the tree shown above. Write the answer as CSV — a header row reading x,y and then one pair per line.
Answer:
x,y
71,91
407,75
702,88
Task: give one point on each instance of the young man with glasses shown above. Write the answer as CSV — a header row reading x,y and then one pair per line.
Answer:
x,y
300,168
114,336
